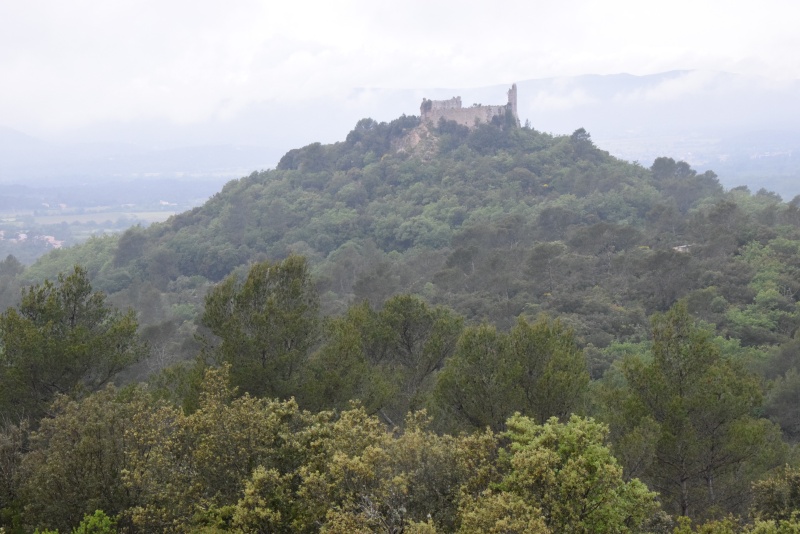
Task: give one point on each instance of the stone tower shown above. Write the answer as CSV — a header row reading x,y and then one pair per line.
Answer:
x,y
512,100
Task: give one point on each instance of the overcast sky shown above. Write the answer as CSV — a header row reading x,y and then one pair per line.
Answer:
x,y
67,64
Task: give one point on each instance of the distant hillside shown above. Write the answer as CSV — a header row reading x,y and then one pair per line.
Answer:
x,y
496,222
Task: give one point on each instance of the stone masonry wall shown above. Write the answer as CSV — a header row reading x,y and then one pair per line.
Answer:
x,y
466,116
434,110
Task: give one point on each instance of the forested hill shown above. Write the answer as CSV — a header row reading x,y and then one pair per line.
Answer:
x,y
494,222
473,273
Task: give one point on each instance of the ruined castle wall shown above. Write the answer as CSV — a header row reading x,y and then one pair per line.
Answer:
x,y
453,103
466,116
434,110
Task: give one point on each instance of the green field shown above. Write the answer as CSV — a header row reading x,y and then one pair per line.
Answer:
x,y
100,217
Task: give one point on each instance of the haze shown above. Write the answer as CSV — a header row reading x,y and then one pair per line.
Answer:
x,y
167,75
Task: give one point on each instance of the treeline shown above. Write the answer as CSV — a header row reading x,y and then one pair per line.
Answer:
x,y
245,464
389,419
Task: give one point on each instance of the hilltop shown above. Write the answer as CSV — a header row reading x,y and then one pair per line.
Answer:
x,y
744,128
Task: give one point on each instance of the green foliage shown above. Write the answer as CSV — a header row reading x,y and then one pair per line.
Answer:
x,y
785,526
14,443
95,256
265,325
366,210
682,183
551,370
581,142
723,526
256,465
498,513
189,470
475,387
76,458
781,404
10,269
535,369
61,338
424,232
97,523
339,371
686,419
562,475
415,476
777,497
387,358
773,313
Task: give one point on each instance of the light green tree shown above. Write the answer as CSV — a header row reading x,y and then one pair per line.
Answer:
x,y
377,481
562,476
75,460
187,472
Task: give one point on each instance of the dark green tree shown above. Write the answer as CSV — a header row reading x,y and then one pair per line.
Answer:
x,y
11,266
689,422
61,338
680,181
550,370
264,325
419,340
581,142
340,371
781,405
475,388
387,358
10,269
536,369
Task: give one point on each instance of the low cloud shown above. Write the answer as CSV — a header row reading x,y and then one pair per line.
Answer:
x,y
683,84
557,100
69,65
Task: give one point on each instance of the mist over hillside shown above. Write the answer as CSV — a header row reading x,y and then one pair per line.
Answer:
x,y
744,128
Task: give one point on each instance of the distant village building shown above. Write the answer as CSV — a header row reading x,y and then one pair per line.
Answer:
x,y
50,240
433,110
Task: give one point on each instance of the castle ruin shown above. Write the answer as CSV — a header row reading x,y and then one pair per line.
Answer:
x,y
433,110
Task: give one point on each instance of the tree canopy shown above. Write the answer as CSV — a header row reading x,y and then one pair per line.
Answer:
x,y
60,339
419,329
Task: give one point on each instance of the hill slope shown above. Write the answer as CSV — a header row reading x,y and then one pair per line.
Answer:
x,y
495,222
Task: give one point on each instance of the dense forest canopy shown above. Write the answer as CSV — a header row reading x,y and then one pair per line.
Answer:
x,y
494,222
418,329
